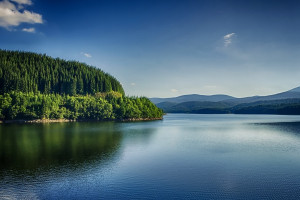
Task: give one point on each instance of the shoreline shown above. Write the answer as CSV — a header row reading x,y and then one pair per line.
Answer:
x,y
32,121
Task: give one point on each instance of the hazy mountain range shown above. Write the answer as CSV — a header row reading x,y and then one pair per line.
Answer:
x,y
282,103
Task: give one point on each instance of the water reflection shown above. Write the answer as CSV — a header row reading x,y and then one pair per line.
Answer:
x,y
28,146
183,156
287,127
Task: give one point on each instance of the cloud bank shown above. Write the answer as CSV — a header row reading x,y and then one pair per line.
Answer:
x,y
12,14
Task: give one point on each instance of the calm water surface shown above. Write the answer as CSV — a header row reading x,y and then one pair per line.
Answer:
x,y
182,156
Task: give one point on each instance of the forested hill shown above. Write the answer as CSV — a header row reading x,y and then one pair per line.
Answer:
x,y
31,72
35,86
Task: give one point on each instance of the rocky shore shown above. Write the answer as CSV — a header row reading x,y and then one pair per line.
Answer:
x,y
21,121
140,119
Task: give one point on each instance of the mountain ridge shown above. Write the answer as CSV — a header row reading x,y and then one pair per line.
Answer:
x,y
293,93
193,97
281,103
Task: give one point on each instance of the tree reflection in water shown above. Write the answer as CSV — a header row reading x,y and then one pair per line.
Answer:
x,y
31,146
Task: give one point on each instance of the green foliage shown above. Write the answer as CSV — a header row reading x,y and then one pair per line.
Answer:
x,y
108,106
35,86
31,72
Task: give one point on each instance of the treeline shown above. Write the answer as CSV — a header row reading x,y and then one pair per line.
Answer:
x,y
279,109
31,72
101,106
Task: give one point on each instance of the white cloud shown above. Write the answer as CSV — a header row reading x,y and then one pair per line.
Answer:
x,y
11,16
132,84
7,5
29,30
228,39
174,90
25,2
86,55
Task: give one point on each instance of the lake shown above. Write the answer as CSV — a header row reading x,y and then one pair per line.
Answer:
x,y
184,156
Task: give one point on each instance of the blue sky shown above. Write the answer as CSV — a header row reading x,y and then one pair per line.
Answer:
x,y
166,48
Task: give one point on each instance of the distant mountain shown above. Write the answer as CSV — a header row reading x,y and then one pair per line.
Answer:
x,y
291,94
271,102
283,107
193,97
282,103
297,89
192,106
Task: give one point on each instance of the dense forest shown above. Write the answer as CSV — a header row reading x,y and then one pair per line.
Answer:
x,y
34,86
31,72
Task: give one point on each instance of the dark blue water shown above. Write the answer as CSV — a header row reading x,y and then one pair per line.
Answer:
x,y
180,157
